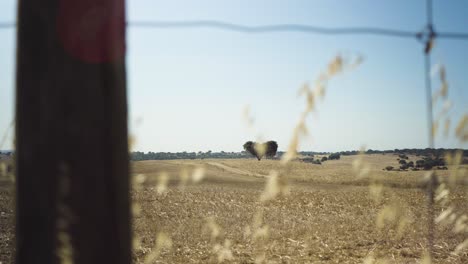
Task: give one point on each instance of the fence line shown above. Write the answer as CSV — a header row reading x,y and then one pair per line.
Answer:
x,y
426,36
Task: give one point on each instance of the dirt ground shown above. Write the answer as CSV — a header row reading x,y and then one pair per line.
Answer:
x,y
328,216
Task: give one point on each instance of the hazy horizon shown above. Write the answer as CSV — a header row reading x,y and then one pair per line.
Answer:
x,y
187,88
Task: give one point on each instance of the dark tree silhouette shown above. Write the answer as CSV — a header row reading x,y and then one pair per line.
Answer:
x,y
249,146
269,149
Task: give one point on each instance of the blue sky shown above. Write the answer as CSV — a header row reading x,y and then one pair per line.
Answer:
x,y
188,87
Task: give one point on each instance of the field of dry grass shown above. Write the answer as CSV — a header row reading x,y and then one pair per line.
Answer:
x,y
327,217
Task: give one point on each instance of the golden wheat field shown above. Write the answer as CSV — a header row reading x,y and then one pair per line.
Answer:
x,y
328,215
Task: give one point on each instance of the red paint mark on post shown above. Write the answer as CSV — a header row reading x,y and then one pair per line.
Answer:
x,y
92,31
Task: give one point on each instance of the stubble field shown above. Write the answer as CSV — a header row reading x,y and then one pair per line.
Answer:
x,y
328,216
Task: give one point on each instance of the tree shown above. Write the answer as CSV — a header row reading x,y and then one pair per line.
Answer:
x,y
271,149
259,150
249,146
334,156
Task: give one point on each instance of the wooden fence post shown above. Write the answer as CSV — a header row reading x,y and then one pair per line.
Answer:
x,y
71,133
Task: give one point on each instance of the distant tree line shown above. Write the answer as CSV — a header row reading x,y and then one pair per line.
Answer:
x,y
138,155
434,153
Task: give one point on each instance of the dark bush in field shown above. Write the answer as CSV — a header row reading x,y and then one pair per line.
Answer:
x,y
389,168
410,164
311,160
428,163
403,156
402,162
349,153
334,156
324,159
420,163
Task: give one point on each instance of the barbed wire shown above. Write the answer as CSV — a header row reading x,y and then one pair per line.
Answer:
x,y
6,25
283,28
272,28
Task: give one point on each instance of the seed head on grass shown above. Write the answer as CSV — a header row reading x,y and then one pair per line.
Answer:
x,y
198,174
184,178
139,180
223,252
64,248
446,127
461,225
360,167
462,129
212,228
163,179
442,193
3,170
393,216
461,247
247,117
272,188
375,191
162,241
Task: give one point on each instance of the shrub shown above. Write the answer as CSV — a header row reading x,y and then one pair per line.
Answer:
x,y
389,168
428,163
420,163
324,159
402,162
334,156
317,162
403,156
